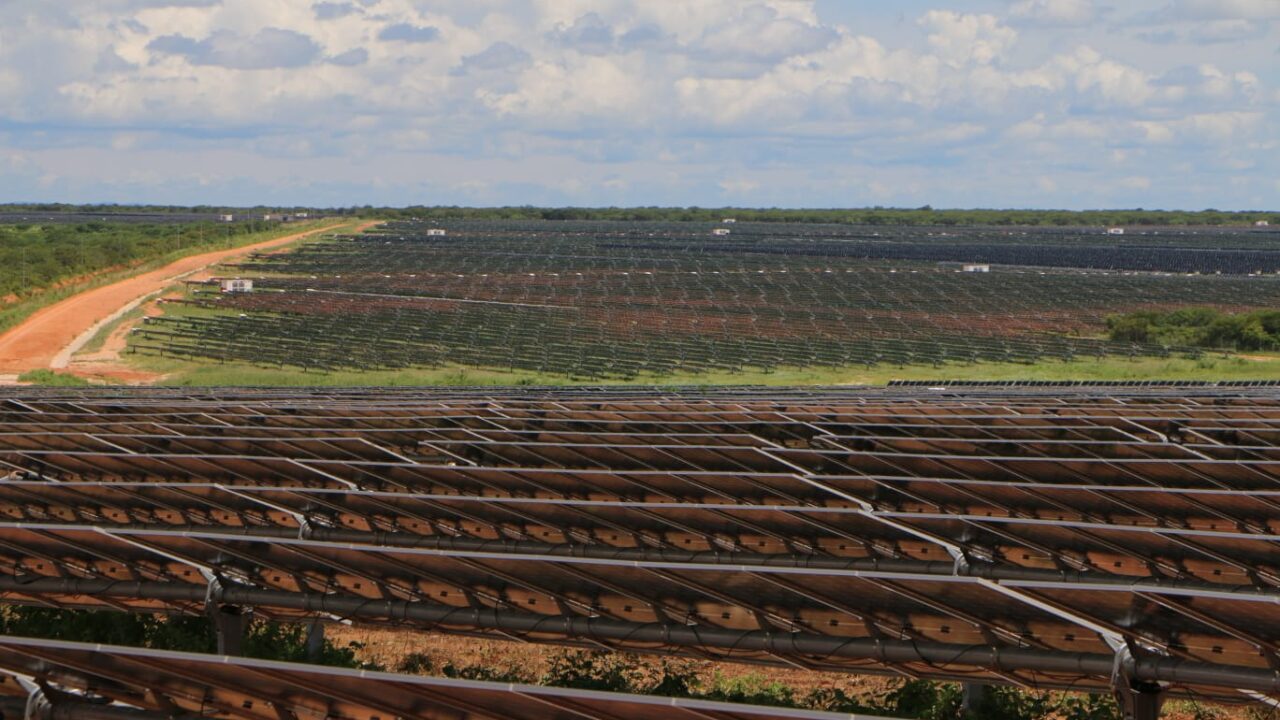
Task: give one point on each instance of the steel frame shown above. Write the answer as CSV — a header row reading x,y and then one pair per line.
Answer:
x,y
1057,537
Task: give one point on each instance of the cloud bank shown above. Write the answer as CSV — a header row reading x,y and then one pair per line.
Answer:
x,y
1047,103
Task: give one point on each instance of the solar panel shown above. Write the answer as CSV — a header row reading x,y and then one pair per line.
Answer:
x,y
1043,536
98,682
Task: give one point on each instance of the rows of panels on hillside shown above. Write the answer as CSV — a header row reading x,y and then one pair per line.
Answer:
x,y
1017,536
627,300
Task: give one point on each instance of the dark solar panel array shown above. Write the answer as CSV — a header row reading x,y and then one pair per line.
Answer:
x,y
110,683
1046,537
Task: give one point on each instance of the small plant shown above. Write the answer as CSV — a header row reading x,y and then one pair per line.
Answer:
x,y
50,378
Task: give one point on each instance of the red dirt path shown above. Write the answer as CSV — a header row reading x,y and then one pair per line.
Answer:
x,y
37,340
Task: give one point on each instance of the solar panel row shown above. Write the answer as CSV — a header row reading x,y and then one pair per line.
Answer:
x,y
43,680
1046,537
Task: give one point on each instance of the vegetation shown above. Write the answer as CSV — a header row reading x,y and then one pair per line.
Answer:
x,y
863,216
856,216
36,257
198,373
265,640
625,673
156,246
1199,327
50,378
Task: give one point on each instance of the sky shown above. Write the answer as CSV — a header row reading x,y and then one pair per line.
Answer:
x,y
765,103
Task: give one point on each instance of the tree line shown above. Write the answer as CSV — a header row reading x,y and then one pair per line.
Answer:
x,y
36,257
860,216
855,216
1204,327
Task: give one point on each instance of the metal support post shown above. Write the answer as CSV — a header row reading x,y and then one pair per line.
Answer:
x,y
1141,700
315,641
1138,699
231,622
973,696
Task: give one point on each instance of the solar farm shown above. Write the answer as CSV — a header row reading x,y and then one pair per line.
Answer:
x,y
1074,537
1086,539
637,302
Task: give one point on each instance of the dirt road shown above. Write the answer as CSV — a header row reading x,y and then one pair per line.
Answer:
x,y
54,331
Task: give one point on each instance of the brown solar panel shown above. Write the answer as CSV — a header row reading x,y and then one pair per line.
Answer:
x,y
1052,537
94,681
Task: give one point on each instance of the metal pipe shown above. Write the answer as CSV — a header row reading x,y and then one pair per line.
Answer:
x,y
1150,669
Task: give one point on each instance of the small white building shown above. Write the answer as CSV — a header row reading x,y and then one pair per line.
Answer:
x,y
729,221
436,232
976,267
1262,223
236,285
720,231
227,218
302,215
1115,231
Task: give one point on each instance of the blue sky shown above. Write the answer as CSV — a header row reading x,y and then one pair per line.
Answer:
x,y
814,103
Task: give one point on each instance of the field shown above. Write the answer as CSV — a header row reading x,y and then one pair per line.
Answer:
x,y
671,303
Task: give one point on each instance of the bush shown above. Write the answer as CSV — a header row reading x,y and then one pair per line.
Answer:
x,y
52,379
1199,327
186,633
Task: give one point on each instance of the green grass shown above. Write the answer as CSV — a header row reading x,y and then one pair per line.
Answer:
x,y
52,379
1214,367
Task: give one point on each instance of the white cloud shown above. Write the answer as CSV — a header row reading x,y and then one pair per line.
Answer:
x,y
268,48
1057,13
1226,31
666,100
1221,10
406,32
959,39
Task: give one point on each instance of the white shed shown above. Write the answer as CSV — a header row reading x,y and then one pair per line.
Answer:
x,y
227,218
236,285
729,221
720,231
436,232
1115,231
976,267
1262,223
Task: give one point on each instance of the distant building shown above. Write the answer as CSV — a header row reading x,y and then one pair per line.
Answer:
x,y
729,221
720,231
1262,223
436,232
1115,231
227,218
302,215
974,267
236,285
